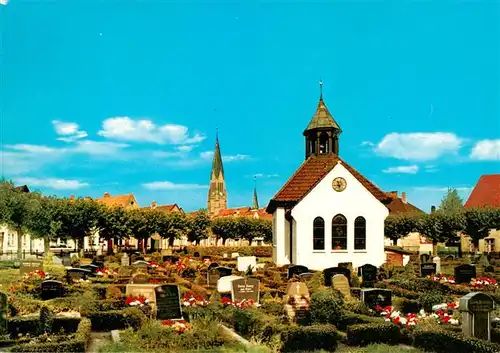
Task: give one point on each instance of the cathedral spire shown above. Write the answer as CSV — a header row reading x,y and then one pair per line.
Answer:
x,y
217,194
217,166
255,205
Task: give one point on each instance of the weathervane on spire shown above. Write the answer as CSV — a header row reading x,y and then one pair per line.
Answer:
x,y
320,88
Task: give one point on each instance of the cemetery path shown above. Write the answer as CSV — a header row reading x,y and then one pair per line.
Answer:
x,y
97,339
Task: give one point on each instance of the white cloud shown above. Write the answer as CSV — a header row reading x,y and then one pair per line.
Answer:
x,y
186,148
35,149
69,131
367,143
262,175
408,169
127,129
98,147
418,146
52,183
167,185
4,2
207,155
486,150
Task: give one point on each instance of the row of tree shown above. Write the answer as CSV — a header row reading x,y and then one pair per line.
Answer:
x,y
51,218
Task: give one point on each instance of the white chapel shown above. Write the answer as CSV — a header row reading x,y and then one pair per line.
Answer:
x,y
327,212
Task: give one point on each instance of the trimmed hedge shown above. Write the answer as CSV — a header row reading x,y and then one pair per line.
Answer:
x,y
316,337
31,324
350,318
365,334
116,319
443,341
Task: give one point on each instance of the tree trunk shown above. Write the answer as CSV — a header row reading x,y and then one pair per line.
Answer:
x,y
20,234
434,248
46,246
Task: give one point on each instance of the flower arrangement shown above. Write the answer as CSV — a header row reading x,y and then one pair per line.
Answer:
x,y
153,264
243,304
136,301
179,326
444,313
483,282
408,320
36,275
442,278
106,272
193,300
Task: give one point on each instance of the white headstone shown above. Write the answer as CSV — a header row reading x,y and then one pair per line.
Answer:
x,y
125,260
224,255
224,283
234,255
437,261
245,261
57,261
99,251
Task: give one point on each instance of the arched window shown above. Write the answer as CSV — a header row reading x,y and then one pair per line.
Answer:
x,y
323,143
339,232
318,234
360,233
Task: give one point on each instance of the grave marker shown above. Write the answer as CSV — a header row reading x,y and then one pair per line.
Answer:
x,y
57,261
476,318
234,255
297,301
196,254
77,274
341,283
213,265
245,261
330,272
296,270
91,267
489,269
374,297
213,276
306,276
224,283
168,302
140,264
206,257
437,260
224,271
464,273
51,289
66,260
143,290
125,260
427,269
245,288
369,275
3,313
28,266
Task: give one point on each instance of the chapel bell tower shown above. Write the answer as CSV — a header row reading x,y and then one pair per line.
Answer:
x,y
322,133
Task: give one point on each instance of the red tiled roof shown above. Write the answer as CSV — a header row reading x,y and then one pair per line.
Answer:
x,y
166,208
119,200
486,192
397,206
244,212
310,173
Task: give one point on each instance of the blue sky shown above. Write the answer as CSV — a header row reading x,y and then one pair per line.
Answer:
x,y
126,96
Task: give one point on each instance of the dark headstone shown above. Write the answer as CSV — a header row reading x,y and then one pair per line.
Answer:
x,y
464,273
168,302
424,258
91,267
245,288
75,274
140,264
374,297
3,313
476,318
189,273
427,269
296,270
368,273
328,273
98,263
306,276
196,254
213,276
167,258
51,289
175,259
224,271
489,269
213,265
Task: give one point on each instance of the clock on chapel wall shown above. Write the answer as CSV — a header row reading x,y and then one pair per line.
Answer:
x,y
339,184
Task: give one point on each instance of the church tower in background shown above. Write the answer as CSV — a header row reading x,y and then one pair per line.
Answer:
x,y
217,194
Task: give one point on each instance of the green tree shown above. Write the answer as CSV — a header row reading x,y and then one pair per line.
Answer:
x,y
198,226
172,226
112,222
399,226
440,227
479,222
259,228
451,203
225,228
144,223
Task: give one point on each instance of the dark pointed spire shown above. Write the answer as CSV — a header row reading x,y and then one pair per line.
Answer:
x,y
217,167
255,205
322,117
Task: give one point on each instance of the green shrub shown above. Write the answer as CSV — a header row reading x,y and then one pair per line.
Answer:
x,y
65,324
406,305
364,334
275,308
23,325
295,338
83,332
46,320
428,299
326,307
443,341
116,319
350,318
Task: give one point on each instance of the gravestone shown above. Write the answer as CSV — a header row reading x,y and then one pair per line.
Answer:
x,y
76,274
245,261
206,257
125,260
234,255
464,273
213,276
51,289
373,297
476,318
98,263
245,288
168,302
28,266
175,259
224,271
140,278
368,274
57,261
306,276
427,269
167,258
3,313
213,265
189,273
85,261
489,269
225,255
437,261
296,270
341,283
91,267
328,273
297,302
140,264
224,283
196,254
142,290
66,260
424,258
